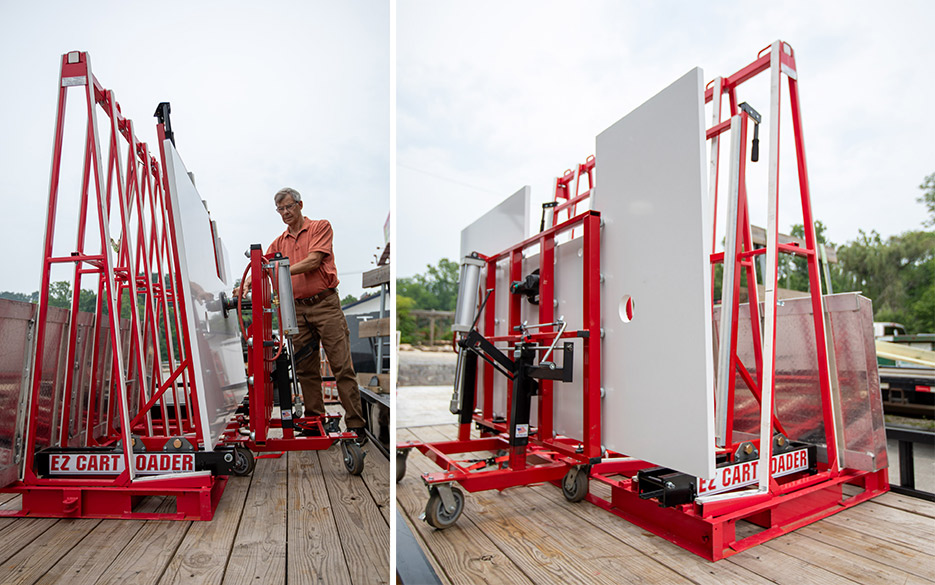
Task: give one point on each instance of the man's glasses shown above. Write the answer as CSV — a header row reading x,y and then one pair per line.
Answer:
x,y
284,208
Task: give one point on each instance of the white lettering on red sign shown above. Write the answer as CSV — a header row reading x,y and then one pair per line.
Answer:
x,y
920,388
743,474
113,463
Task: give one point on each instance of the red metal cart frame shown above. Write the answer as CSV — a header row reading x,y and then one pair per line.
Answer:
x,y
252,428
143,271
783,500
546,458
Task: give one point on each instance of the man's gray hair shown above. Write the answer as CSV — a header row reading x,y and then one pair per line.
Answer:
x,y
287,192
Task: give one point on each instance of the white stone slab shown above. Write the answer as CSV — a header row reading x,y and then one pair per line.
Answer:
x,y
657,369
492,233
501,227
217,358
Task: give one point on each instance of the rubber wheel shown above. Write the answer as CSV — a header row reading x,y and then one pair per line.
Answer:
x,y
353,457
244,463
436,514
400,465
575,485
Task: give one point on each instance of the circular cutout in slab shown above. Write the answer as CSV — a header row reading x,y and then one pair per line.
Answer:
x,y
625,309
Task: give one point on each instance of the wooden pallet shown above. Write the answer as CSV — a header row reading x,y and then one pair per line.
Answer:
x,y
533,535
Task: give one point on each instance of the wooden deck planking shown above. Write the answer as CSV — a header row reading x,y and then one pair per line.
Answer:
x,y
889,539
156,542
202,555
259,551
465,553
315,553
377,480
900,502
86,563
363,529
266,530
547,543
838,560
893,525
45,551
890,554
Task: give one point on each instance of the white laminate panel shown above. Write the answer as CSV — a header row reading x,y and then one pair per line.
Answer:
x,y
501,227
657,369
217,357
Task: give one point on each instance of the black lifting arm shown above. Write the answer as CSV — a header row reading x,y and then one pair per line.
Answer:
x,y
479,344
162,116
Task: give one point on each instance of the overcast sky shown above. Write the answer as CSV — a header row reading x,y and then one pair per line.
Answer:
x,y
496,95
491,96
264,95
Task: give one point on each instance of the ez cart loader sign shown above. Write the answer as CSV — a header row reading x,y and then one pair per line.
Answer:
x,y
743,474
113,463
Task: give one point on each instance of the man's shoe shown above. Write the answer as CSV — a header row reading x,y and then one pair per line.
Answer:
x,y
361,434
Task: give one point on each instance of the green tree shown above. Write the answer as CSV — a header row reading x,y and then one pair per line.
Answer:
x,y
793,270
928,199
897,274
436,289
405,323
60,296
18,296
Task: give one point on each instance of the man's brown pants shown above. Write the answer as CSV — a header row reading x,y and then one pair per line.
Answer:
x,y
326,321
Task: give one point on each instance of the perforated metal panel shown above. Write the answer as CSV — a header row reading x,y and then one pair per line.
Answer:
x,y
77,409
858,379
52,378
798,395
15,347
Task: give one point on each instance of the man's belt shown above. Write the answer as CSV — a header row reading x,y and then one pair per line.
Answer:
x,y
316,298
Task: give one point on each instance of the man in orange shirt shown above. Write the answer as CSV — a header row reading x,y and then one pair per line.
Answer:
x,y
307,244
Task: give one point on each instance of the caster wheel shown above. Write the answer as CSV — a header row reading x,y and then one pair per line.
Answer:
x,y
401,456
353,457
575,485
244,463
437,515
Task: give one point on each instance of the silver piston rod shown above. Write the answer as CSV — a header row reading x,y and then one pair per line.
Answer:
x,y
466,307
288,323
466,315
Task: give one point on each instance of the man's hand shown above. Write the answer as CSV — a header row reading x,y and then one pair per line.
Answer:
x,y
246,287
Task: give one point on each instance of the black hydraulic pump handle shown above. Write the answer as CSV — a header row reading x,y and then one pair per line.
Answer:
x,y
162,116
545,206
755,149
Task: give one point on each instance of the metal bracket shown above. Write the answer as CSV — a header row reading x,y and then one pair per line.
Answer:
x,y
447,496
